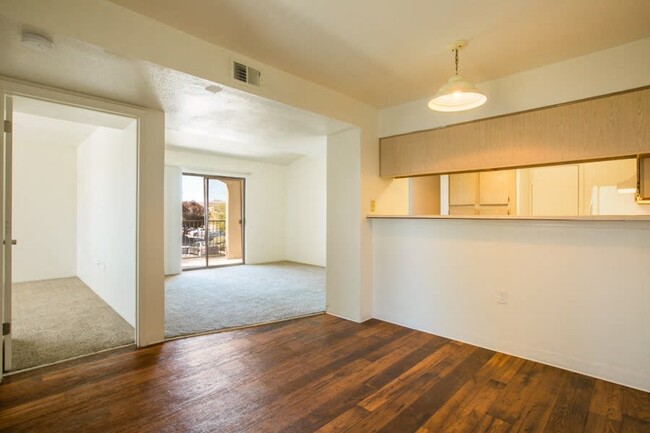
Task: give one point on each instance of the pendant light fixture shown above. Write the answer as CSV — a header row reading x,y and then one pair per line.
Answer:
x,y
457,94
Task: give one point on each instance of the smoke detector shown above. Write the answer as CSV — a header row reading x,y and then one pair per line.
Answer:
x,y
213,88
36,41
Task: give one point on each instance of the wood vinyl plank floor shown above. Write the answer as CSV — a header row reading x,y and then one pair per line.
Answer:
x,y
317,374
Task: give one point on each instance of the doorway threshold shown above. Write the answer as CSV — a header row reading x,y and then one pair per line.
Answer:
x,y
190,264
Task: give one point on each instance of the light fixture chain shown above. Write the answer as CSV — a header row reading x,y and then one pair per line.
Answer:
x,y
456,51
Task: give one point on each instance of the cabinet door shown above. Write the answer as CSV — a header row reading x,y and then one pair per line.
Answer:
x,y
496,186
463,189
494,210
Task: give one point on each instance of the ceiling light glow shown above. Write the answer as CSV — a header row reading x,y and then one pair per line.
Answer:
x,y
457,94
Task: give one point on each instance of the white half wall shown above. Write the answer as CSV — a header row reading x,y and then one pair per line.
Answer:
x,y
578,293
306,211
265,199
45,198
173,220
106,236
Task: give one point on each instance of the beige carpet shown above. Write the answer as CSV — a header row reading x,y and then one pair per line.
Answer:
x,y
219,298
59,319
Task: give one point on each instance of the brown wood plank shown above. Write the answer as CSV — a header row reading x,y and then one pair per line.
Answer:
x,y
492,425
606,408
571,406
154,375
601,424
319,374
537,406
633,425
607,400
468,407
636,404
435,396
515,397
337,397
284,379
406,357
445,359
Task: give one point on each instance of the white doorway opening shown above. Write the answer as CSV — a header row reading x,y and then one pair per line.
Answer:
x,y
73,208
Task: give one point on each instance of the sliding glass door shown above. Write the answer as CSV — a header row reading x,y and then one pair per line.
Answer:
x,y
213,224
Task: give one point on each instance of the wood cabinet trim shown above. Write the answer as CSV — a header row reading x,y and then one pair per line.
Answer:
x,y
643,179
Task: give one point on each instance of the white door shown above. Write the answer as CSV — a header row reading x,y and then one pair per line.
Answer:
x,y
554,191
5,251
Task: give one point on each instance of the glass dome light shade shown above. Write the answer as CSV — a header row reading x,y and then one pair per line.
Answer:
x,y
457,95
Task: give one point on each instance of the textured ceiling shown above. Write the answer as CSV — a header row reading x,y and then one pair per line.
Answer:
x,y
386,52
230,122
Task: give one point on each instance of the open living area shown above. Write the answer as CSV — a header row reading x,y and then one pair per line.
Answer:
x,y
325,216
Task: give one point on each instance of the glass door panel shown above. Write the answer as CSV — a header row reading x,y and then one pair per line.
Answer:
x,y
193,226
225,221
213,221
217,199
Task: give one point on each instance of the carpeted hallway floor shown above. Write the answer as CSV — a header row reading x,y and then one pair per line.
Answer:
x,y
211,299
59,319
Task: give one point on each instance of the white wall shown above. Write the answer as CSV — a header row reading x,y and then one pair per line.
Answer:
x,y
44,201
579,292
173,219
306,220
394,200
265,200
106,236
343,252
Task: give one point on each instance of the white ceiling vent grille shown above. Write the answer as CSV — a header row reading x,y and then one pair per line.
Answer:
x,y
246,74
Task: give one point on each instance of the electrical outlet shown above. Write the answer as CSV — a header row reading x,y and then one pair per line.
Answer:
x,y
502,297
373,205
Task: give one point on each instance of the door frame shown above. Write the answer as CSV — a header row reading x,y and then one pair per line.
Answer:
x,y
149,216
6,202
207,177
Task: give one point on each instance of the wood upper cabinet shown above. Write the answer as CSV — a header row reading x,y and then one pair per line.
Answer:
x,y
611,126
496,187
463,189
483,193
463,210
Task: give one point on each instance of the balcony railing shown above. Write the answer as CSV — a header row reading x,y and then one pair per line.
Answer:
x,y
194,238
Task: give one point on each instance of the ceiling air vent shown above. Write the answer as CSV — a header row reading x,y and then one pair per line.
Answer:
x,y
246,74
